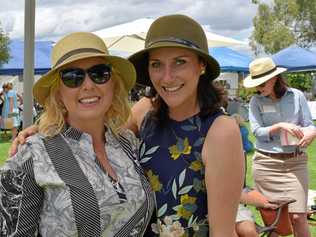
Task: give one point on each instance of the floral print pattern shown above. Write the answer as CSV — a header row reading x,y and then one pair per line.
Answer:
x,y
176,173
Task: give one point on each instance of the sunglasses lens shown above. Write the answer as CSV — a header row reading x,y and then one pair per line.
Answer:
x,y
100,73
72,77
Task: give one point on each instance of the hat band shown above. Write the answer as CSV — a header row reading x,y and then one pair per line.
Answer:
x,y
174,40
264,74
76,51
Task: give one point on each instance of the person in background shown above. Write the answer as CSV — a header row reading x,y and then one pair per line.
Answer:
x,y
245,224
191,152
10,110
280,168
247,144
21,112
79,175
1,104
224,95
188,146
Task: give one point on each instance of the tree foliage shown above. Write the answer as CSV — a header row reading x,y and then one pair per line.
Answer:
x,y
282,24
4,47
302,81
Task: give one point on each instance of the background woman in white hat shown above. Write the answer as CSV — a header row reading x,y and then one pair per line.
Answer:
x,y
280,118
78,175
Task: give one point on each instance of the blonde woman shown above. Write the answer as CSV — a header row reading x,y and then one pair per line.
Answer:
x,y
79,175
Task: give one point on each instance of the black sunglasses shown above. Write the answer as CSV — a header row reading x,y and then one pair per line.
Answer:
x,y
74,77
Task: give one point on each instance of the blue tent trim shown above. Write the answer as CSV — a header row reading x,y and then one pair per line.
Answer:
x,y
16,63
295,58
231,60
228,59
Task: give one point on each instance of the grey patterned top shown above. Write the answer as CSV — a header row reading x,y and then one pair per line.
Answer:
x,y
34,198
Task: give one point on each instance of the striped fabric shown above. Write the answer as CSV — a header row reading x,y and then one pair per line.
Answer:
x,y
46,191
81,191
142,215
15,203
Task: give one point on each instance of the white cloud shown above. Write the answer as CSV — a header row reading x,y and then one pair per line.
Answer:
x,y
55,18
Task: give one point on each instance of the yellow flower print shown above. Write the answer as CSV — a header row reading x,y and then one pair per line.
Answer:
x,y
183,210
182,147
196,165
154,181
186,199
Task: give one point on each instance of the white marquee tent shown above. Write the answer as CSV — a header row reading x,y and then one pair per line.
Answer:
x,y
129,37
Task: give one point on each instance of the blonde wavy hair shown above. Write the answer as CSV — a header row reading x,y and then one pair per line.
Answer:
x,y
52,120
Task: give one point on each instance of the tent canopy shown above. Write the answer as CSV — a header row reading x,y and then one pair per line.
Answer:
x,y
230,60
16,61
295,58
130,36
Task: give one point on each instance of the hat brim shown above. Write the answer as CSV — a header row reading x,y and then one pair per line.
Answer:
x,y
249,82
125,68
140,61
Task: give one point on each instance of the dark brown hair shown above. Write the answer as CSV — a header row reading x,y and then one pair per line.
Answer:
x,y
280,86
210,99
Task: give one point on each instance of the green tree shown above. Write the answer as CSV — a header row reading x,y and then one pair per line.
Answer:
x,y
282,24
302,81
306,24
4,47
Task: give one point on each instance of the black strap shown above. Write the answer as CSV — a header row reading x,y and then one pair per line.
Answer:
x,y
83,199
75,52
146,209
264,74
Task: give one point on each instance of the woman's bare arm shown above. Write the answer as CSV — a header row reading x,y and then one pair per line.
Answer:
x,y
138,112
223,157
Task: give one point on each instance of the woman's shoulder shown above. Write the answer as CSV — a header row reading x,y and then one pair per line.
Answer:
x,y
223,126
296,91
11,93
32,148
141,107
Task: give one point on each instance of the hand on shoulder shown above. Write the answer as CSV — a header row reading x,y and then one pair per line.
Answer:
x,y
138,112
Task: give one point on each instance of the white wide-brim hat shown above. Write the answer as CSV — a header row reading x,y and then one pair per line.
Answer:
x,y
261,70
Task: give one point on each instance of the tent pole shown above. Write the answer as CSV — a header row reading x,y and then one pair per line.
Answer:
x,y
28,72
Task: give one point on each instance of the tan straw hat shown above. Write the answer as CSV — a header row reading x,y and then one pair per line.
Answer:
x,y
76,46
174,31
261,70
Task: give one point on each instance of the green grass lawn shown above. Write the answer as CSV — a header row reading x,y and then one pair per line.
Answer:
x,y
5,143
4,146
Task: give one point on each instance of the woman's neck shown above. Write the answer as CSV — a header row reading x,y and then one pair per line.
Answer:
x,y
95,129
273,97
180,114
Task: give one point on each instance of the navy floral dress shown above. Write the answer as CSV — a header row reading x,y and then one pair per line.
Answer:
x,y
171,158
